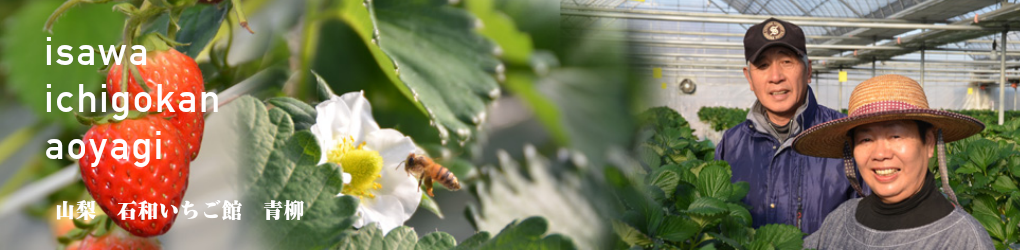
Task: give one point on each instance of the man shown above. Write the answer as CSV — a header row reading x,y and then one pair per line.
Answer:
x,y
785,186
891,134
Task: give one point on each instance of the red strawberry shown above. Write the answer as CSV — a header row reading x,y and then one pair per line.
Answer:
x,y
115,239
112,181
177,73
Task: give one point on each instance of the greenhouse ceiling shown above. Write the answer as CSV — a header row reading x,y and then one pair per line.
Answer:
x,y
950,40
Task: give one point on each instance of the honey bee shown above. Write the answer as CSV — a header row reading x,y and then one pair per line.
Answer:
x,y
427,170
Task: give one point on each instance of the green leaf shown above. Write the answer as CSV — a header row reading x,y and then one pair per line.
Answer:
x,y
677,229
1014,166
417,34
981,182
735,231
778,236
302,114
281,166
322,90
983,152
725,240
347,39
630,235
983,208
707,206
25,49
527,234
739,191
685,195
648,156
400,238
429,204
968,168
515,46
739,213
707,247
714,181
667,181
368,237
199,25
566,199
1004,184
438,241
707,211
473,242
1012,213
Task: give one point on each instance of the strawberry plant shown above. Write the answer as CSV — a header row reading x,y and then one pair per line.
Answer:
x,y
422,76
985,177
722,118
680,198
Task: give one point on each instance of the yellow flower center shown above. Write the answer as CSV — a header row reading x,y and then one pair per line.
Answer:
x,y
364,166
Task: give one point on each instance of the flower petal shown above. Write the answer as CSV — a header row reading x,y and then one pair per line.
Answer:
x,y
346,177
331,120
362,122
398,185
391,145
324,143
387,210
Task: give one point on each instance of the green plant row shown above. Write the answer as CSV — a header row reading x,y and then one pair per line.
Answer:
x,y
985,168
722,118
985,174
679,198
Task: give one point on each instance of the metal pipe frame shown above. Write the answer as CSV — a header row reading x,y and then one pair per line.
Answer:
x,y
693,33
667,64
810,47
850,79
744,16
828,58
737,73
1002,78
686,17
817,59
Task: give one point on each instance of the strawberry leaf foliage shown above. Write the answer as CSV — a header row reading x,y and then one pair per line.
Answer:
x,y
281,165
680,198
525,234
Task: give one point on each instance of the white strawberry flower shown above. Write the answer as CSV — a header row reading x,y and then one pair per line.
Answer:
x,y
369,157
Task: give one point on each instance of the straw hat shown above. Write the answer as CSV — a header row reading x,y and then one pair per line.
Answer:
x,y
883,98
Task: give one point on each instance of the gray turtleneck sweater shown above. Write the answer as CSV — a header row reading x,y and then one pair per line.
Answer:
x,y
841,230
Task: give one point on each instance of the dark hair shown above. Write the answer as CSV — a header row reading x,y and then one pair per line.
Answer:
x,y
922,129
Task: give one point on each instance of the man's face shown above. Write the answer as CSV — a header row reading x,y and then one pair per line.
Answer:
x,y
779,80
892,158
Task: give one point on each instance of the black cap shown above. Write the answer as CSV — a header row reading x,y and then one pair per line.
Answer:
x,y
773,32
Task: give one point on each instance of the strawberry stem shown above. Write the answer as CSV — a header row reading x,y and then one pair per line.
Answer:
x,y
48,27
138,78
240,15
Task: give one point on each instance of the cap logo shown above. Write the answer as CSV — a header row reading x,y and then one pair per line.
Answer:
x,y
773,30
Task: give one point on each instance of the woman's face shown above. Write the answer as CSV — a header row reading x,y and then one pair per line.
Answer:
x,y
892,158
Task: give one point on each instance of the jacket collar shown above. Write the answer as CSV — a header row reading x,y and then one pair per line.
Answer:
x,y
803,118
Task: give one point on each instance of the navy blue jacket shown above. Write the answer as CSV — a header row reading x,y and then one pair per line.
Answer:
x,y
785,186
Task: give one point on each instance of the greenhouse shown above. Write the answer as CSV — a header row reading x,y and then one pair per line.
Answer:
x,y
964,54
952,47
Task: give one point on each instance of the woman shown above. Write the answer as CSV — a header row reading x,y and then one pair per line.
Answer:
x,y
890,135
